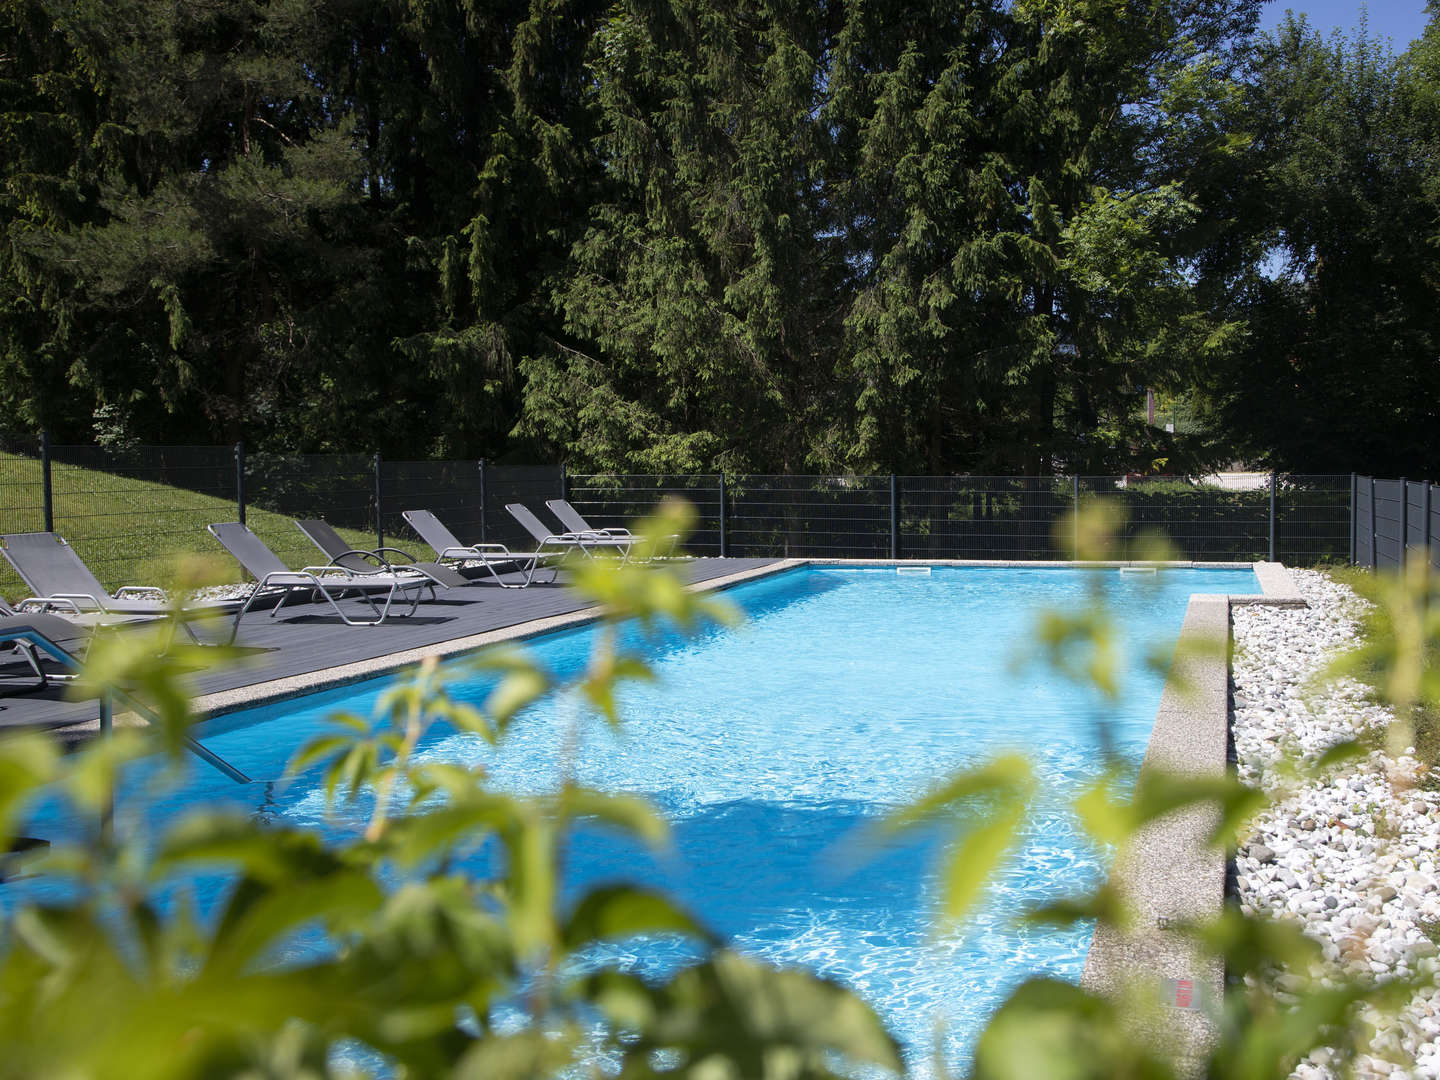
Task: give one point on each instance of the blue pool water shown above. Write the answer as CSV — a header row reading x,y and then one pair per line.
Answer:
x,y
845,694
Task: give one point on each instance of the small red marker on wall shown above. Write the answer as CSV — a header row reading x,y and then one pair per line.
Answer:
x,y
1180,993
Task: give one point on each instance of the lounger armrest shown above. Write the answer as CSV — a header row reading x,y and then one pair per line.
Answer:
x,y
397,551
316,571
46,603
307,572
94,600
623,534
137,592
473,551
383,567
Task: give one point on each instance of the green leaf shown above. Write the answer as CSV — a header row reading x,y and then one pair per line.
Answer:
x,y
1057,1030
629,813
27,763
619,911
521,1056
518,689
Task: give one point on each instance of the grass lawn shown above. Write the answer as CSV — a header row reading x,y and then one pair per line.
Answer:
x,y
136,532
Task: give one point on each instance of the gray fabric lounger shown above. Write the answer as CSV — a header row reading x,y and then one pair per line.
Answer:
x,y
323,535
33,633
447,546
331,582
63,582
571,520
585,544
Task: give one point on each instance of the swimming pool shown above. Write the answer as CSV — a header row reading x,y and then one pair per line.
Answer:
x,y
846,694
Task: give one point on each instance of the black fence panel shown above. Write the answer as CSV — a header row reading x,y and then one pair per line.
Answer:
x,y
529,485
1364,522
1388,509
337,487
982,517
1432,536
132,512
840,517
454,491
613,500
1416,512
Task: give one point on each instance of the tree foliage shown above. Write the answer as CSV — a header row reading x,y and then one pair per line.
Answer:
x,y
754,236
1338,372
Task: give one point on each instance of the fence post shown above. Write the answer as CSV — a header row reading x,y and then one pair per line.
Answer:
x,y
894,521
240,482
564,482
47,492
1272,515
482,500
1075,517
1374,555
724,547
1354,514
1429,561
1404,522
379,506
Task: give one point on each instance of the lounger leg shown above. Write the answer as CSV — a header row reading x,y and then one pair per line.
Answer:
x,y
346,618
33,659
249,600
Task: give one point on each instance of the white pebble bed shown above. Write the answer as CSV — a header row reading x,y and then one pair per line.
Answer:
x,y
1353,859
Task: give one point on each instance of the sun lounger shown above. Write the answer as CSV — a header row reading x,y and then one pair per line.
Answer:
x,y
586,545
63,583
331,582
34,632
447,546
323,535
571,520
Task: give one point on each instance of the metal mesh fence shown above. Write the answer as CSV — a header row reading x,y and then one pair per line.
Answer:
x,y
22,500
845,517
982,517
527,484
337,487
1201,522
131,513
1313,518
617,501
453,490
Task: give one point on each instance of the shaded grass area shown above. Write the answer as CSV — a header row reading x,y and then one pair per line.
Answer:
x,y
138,532
1426,717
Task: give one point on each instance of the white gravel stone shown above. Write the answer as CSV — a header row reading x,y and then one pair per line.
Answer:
x,y
1354,857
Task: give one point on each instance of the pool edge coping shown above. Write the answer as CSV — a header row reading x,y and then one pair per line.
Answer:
x,y
1169,873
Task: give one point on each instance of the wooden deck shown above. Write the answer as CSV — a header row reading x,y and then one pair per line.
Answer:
x,y
311,638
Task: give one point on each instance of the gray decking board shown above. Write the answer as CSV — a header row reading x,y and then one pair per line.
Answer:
x,y
295,644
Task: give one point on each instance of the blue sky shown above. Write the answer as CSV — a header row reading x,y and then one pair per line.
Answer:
x,y
1399,20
